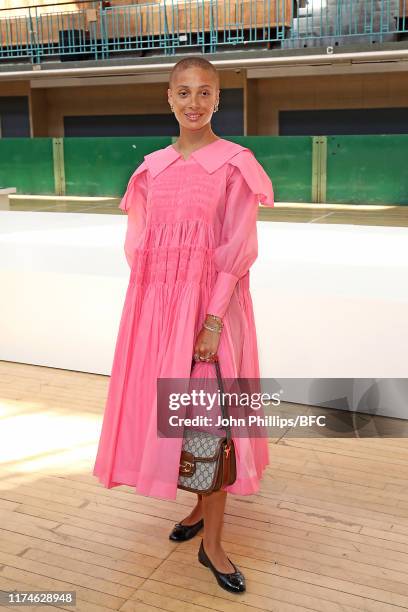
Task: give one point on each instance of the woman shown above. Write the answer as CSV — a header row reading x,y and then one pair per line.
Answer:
x,y
191,239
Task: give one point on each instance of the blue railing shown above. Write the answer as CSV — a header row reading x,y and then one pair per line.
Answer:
x,y
95,29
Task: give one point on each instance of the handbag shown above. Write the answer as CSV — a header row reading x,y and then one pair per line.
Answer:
x,y
207,461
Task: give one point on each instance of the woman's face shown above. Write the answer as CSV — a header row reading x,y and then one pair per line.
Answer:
x,y
193,94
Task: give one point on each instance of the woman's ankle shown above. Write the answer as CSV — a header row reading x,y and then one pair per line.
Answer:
x,y
195,515
212,546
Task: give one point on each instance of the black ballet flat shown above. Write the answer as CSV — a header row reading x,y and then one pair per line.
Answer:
x,y
181,533
233,582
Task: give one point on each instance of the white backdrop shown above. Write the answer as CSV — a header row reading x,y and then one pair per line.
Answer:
x,y
331,301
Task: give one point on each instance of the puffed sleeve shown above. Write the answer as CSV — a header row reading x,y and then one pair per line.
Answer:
x,y
134,204
238,247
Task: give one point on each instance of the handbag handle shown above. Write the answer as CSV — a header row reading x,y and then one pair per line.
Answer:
x,y
221,388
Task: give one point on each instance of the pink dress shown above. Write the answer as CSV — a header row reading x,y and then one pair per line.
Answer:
x,y
191,239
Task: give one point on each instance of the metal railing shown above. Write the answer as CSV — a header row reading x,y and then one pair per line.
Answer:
x,y
347,21
96,30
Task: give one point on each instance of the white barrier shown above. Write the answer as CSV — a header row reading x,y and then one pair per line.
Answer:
x,y
4,197
330,301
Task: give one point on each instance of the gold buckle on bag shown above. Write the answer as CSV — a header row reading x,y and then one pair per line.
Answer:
x,y
187,464
185,467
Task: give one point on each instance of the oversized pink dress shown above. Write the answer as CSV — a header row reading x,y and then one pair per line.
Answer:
x,y
191,239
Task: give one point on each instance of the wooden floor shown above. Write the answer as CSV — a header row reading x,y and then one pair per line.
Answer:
x,y
381,215
328,530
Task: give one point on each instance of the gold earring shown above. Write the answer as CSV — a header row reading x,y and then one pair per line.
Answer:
x,y
215,108
172,109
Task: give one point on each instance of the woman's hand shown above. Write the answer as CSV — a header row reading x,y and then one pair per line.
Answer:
x,y
207,342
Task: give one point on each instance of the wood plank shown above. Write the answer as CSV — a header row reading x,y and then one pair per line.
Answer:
x,y
81,604
328,531
187,575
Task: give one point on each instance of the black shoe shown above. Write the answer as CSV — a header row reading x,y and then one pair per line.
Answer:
x,y
234,582
181,533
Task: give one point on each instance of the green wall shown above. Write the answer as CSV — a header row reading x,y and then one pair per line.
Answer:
x,y
27,164
367,169
334,169
102,166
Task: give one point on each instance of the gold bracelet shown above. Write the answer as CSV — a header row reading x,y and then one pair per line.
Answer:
x,y
218,319
215,321
214,329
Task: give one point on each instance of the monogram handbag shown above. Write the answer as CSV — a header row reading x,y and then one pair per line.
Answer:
x,y
207,461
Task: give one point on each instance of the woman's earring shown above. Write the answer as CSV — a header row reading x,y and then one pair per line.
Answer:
x,y
172,109
216,108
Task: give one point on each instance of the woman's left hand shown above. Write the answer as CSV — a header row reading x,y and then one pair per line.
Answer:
x,y
207,342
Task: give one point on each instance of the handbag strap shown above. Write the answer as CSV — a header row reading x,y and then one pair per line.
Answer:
x,y
221,388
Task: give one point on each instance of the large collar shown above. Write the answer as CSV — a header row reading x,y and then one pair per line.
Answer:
x,y
210,157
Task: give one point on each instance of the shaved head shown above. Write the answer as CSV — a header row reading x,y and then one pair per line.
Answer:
x,y
194,62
